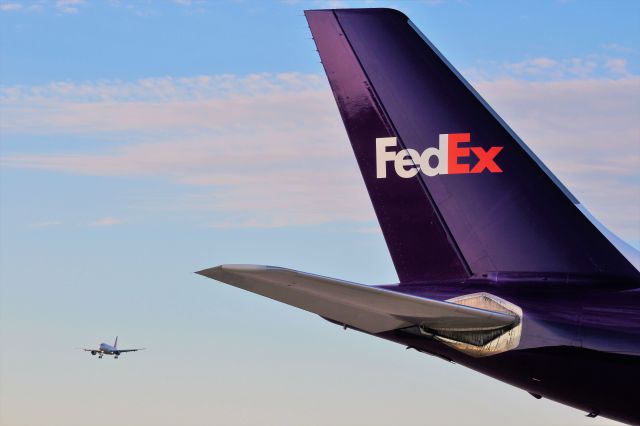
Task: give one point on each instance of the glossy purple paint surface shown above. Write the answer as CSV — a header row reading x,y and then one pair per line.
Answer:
x,y
394,203
517,234
579,346
388,81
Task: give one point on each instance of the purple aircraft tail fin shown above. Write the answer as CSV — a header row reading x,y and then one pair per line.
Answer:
x,y
456,192
115,344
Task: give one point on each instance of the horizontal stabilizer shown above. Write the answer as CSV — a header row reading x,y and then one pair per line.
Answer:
x,y
367,308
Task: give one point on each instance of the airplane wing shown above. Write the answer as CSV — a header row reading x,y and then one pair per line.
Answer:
x,y
90,350
367,308
131,350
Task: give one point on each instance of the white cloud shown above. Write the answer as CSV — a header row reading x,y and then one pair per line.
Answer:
x,y
321,4
108,221
617,48
617,66
204,102
370,230
548,69
270,150
6,7
543,63
588,134
69,6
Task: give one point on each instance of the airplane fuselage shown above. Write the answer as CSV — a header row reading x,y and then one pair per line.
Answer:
x,y
582,351
107,349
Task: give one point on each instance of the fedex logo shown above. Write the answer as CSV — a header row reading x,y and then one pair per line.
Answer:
x,y
408,162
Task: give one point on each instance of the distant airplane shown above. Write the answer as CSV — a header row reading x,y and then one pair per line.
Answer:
x,y
501,268
107,349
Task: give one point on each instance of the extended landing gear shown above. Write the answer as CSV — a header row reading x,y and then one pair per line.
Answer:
x,y
100,356
594,413
115,357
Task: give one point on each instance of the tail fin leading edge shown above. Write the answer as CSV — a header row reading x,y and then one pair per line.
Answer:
x,y
456,192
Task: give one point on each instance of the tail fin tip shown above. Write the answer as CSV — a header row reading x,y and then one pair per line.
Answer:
x,y
494,207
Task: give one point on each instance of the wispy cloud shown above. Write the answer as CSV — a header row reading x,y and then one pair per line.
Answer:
x,y
370,230
270,150
167,88
617,66
204,102
69,6
615,47
7,7
340,4
325,4
585,131
596,65
108,221
62,6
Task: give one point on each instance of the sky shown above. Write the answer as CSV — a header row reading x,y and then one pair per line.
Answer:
x,y
142,141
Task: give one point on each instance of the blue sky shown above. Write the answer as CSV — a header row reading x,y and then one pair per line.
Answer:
x,y
141,141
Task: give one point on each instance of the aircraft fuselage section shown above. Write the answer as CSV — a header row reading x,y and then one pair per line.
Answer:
x,y
578,348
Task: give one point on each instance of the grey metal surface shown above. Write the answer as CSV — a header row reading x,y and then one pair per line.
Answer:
x,y
360,306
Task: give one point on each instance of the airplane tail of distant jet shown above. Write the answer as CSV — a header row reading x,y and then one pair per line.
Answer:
x,y
456,192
